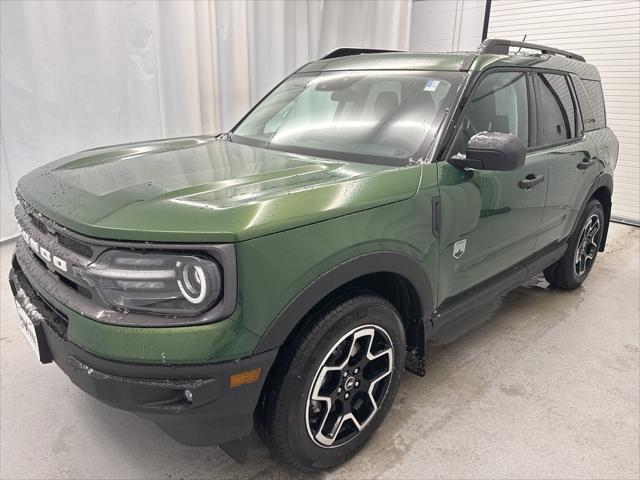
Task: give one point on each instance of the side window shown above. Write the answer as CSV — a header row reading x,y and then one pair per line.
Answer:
x,y
594,90
499,103
558,113
588,115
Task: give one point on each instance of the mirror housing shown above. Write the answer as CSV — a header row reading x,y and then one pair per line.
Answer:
x,y
492,151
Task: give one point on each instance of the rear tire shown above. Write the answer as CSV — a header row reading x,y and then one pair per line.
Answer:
x,y
573,268
336,383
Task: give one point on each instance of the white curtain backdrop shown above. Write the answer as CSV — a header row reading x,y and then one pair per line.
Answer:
x,y
76,75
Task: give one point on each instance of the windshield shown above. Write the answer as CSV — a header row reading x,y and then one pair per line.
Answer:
x,y
388,117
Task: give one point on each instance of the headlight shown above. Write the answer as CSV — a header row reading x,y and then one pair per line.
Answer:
x,y
161,283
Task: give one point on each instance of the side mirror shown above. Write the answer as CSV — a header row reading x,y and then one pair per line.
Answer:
x,y
492,151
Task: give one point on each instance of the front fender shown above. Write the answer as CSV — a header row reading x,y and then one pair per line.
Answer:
x,y
282,276
312,294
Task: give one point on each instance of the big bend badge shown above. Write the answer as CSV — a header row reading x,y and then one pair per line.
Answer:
x,y
459,247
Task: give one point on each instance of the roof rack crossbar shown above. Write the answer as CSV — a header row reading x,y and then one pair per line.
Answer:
x,y
501,47
346,52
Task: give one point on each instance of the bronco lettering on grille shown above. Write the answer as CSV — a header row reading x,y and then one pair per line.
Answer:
x,y
44,254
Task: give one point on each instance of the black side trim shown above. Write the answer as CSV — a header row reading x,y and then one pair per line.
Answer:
x,y
312,294
461,304
436,216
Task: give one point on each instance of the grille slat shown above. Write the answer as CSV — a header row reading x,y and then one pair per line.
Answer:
x,y
74,245
67,281
53,243
47,227
38,224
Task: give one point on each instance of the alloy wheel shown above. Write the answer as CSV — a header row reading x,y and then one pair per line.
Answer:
x,y
587,245
349,386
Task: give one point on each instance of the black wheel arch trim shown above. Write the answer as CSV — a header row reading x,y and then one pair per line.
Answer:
x,y
370,263
604,179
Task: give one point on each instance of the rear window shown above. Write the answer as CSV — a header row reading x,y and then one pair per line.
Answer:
x,y
588,115
594,90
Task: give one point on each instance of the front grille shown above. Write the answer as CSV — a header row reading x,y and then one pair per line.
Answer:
x,y
54,250
38,224
74,245
48,227
85,292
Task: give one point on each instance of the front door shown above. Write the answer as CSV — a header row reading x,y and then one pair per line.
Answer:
x,y
490,219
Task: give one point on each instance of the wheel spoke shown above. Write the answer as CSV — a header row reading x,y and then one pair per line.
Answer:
x,y
342,420
337,416
587,245
320,437
381,376
371,356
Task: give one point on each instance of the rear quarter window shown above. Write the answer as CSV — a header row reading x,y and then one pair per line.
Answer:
x,y
588,115
559,120
594,90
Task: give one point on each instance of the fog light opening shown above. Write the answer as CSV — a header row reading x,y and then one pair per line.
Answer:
x,y
188,395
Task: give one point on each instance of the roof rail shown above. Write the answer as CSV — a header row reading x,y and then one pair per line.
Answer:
x,y
501,47
346,52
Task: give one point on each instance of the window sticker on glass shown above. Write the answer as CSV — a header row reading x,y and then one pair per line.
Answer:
x,y
431,85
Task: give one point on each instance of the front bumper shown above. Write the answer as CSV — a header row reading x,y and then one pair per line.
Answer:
x,y
216,414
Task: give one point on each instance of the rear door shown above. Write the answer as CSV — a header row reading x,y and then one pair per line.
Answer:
x,y
572,156
490,219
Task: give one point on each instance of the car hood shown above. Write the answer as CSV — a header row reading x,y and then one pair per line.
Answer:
x,y
202,189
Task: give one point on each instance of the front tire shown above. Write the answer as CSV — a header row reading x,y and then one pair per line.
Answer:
x,y
574,267
337,383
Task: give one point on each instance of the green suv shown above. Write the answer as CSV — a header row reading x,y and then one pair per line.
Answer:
x,y
283,275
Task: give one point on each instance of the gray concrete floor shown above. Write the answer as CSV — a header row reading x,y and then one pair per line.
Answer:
x,y
543,384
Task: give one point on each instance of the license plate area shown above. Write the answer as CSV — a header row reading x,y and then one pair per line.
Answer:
x,y
30,323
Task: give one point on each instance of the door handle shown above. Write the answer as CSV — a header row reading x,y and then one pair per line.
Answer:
x,y
530,181
586,163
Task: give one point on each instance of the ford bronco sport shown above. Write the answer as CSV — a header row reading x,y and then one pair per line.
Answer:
x,y
283,275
